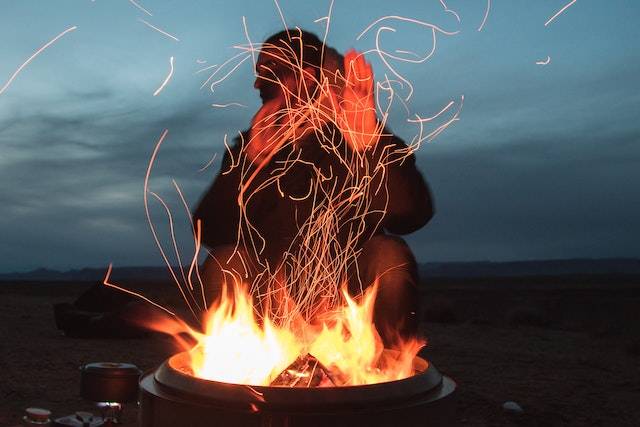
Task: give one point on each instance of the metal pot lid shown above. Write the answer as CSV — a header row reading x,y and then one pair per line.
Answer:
x,y
111,369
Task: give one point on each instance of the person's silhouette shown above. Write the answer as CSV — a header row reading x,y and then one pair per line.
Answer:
x,y
290,70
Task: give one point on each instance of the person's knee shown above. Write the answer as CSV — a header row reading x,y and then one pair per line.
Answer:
x,y
389,262
387,253
225,266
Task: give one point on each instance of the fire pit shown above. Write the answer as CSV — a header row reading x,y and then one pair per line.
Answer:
x,y
172,396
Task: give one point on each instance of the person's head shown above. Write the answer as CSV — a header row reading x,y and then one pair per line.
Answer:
x,y
286,60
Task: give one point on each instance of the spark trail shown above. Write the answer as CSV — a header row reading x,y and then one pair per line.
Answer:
x,y
307,286
555,15
32,57
229,104
136,4
327,244
486,15
544,61
158,30
166,80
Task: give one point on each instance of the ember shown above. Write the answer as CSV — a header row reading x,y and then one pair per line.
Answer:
x,y
305,371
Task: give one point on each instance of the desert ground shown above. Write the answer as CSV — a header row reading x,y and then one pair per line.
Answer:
x,y
568,354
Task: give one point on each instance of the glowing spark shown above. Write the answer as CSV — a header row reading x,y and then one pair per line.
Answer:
x,y
140,7
434,134
404,19
407,52
544,62
36,53
166,80
209,163
446,9
253,51
284,22
142,297
383,54
172,232
201,61
428,119
197,231
328,240
256,393
230,104
234,162
158,30
326,30
566,6
150,222
486,14
213,84
208,67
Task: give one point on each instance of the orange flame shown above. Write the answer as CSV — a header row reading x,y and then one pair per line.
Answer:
x,y
236,348
353,346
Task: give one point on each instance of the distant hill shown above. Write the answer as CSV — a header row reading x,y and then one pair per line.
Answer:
x,y
446,270
89,275
565,267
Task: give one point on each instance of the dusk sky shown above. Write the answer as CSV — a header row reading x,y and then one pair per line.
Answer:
x,y
544,162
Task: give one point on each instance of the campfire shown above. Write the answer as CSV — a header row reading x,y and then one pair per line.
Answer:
x,y
297,333
243,371
343,350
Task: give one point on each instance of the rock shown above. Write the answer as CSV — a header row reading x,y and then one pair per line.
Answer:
x,y
511,407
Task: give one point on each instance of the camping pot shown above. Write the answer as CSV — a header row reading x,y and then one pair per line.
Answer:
x,y
109,382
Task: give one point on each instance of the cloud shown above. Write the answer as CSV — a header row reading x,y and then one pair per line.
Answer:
x,y
75,180
504,189
570,196
542,164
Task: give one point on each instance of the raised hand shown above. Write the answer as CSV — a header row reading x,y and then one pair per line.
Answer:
x,y
265,126
356,108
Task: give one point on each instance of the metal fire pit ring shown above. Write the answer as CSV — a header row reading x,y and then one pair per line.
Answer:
x,y
171,374
171,397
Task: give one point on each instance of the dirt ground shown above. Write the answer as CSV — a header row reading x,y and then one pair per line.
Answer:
x,y
567,355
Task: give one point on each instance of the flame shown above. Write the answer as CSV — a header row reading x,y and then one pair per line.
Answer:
x,y
236,348
353,346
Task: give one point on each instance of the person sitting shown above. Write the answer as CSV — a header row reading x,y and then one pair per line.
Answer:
x,y
276,192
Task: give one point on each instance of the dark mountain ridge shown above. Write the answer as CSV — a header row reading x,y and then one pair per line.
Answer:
x,y
618,267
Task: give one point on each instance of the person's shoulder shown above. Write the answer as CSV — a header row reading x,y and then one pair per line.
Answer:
x,y
237,143
241,138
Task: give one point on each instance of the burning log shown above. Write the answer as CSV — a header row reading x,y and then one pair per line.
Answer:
x,y
305,371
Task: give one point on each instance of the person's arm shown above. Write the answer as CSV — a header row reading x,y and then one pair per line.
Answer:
x,y
409,205
218,209
355,106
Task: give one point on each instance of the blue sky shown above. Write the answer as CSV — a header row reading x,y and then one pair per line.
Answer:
x,y
544,162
